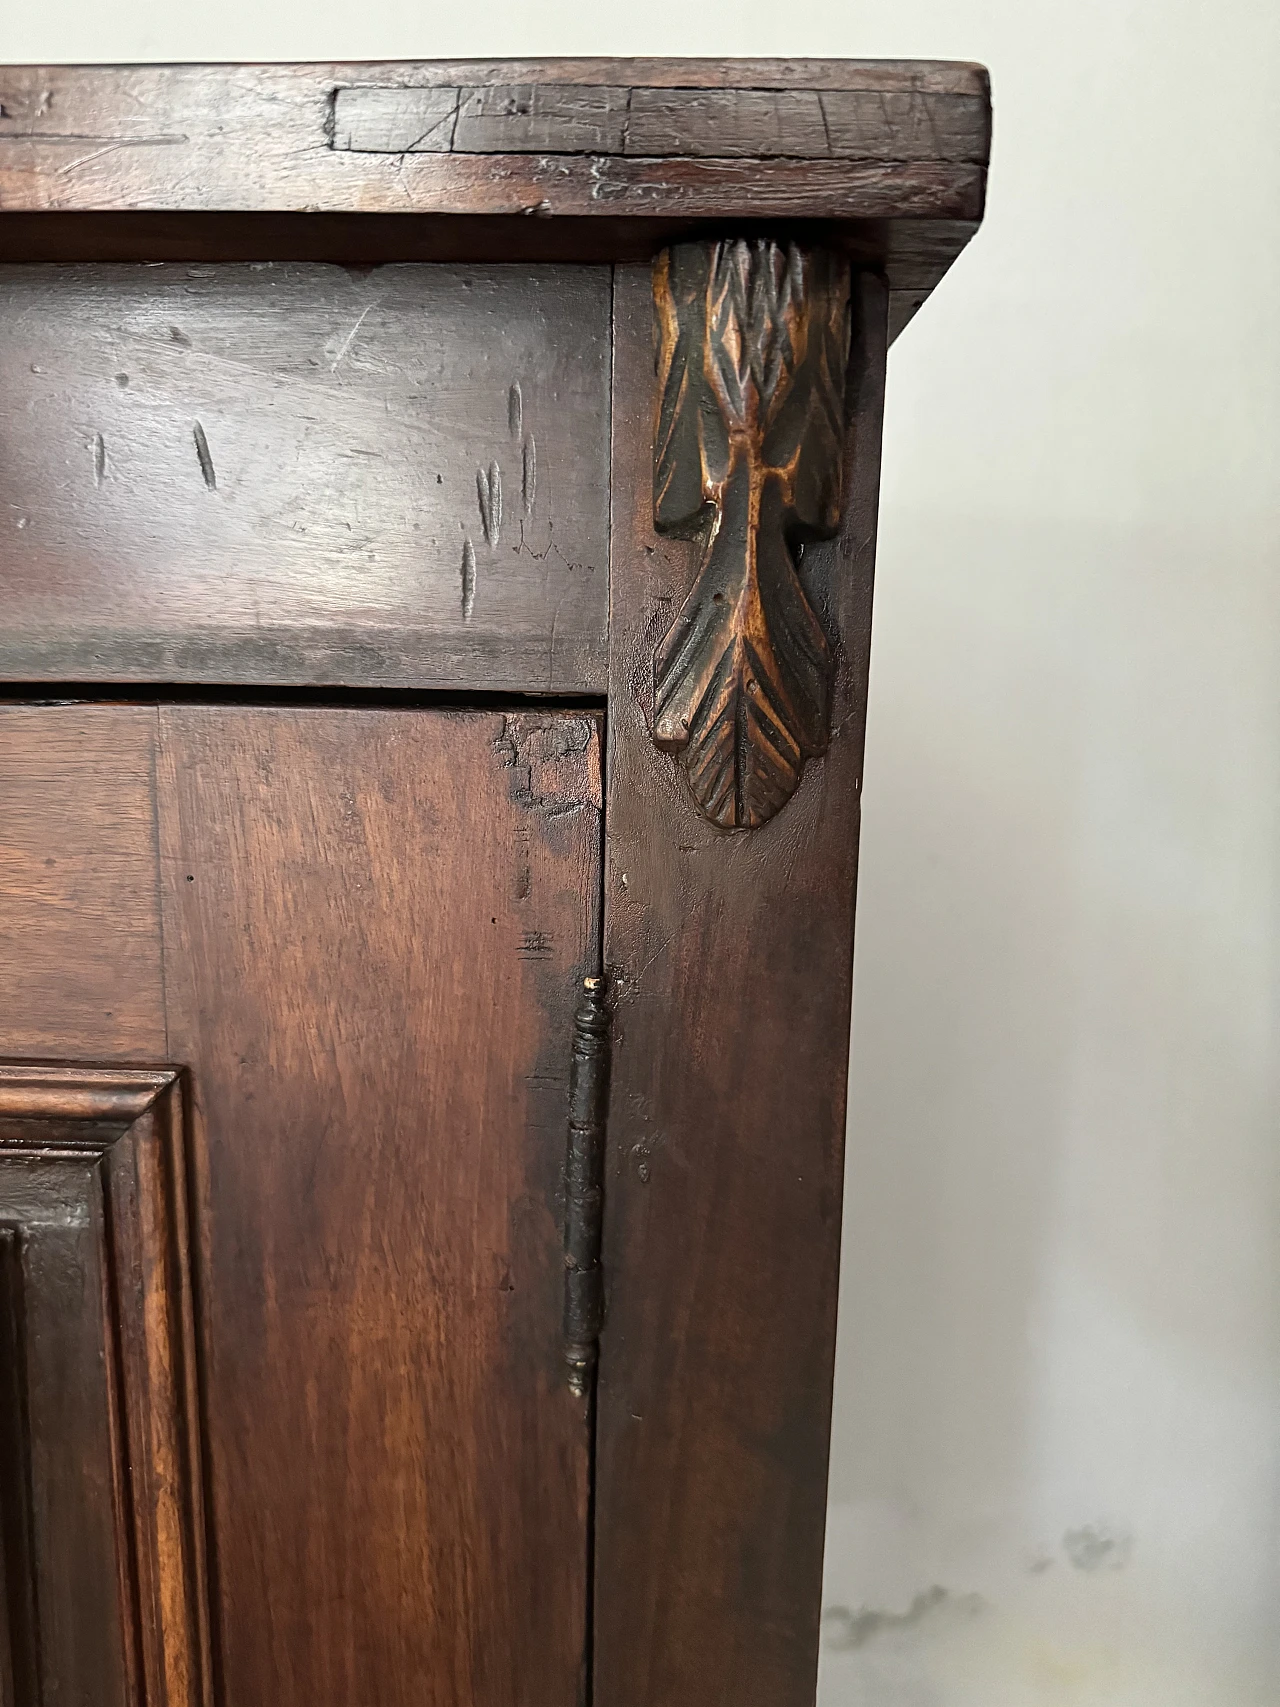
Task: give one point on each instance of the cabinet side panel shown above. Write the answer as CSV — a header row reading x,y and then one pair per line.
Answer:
x,y
730,953
376,923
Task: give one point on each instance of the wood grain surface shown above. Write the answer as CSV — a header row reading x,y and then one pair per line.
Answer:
x,y
661,123
372,932
290,474
375,924
80,956
373,137
729,952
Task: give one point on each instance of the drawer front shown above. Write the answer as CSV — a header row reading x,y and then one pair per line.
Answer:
x,y
289,474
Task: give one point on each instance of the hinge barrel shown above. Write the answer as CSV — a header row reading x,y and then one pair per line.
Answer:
x,y
584,1184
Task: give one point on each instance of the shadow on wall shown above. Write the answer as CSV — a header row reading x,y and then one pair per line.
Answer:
x,y
1055,1464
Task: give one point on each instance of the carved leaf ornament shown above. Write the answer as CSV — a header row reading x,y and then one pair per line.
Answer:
x,y
753,340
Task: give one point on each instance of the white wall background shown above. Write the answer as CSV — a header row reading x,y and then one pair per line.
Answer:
x,y
1056,1477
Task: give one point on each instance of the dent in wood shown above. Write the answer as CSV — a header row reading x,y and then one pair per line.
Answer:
x,y
207,472
468,579
489,480
529,475
489,494
753,345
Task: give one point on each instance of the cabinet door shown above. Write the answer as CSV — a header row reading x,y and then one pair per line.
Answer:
x,y
357,934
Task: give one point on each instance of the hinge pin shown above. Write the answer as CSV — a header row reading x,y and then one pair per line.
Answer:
x,y
584,1184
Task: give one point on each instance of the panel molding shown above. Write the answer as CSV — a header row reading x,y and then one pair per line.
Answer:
x,y
98,1153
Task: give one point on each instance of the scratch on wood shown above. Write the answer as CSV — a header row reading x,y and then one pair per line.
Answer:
x,y
826,123
468,579
626,124
99,459
205,459
536,945
489,493
529,479
450,118
70,139
350,339
515,411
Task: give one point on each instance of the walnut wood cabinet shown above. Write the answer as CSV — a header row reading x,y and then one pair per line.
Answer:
x,y
437,515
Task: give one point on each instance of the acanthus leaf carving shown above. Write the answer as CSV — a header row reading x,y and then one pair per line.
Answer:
x,y
752,349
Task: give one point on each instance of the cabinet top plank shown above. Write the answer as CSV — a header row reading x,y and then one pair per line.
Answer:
x,y
487,160
645,139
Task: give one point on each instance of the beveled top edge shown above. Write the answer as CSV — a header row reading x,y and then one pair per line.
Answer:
x,y
937,76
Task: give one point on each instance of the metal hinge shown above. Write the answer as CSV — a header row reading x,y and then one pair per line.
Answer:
x,y
584,1184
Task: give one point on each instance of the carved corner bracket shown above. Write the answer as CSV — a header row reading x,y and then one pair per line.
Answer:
x,y
753,342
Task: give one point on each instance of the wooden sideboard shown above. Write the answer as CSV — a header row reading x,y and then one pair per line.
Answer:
x,y
437,520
